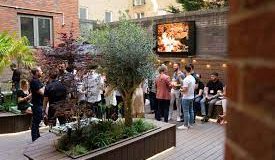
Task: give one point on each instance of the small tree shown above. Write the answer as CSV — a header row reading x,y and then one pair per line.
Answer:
x,y
127,58
193,5
14,49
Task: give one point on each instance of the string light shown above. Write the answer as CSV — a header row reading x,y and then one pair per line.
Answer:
x,y
183,60
208,66
224,65
158,60
194,61
170,63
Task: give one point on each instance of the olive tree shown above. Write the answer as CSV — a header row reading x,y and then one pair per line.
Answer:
x,y
127,58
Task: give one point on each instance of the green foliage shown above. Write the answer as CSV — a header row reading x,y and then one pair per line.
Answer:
x,y
193,5
12,48
78,150
100,135
173,9
127,51
127,57
141,126
7,104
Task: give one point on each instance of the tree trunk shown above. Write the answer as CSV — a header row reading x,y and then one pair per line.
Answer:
x,y
128,109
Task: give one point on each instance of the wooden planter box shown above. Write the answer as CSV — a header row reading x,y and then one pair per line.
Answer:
x,y
141,147
12,123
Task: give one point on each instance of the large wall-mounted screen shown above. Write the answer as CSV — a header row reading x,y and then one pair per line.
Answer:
x,y
176,39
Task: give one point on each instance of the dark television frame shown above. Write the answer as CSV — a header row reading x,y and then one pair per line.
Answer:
x,y
191,42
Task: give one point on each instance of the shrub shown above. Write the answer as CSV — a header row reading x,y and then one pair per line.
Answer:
x,y
98,135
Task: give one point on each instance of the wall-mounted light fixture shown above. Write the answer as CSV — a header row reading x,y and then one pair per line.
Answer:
x,y
224,65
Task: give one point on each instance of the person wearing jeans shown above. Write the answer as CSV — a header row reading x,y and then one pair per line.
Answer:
x,y
175,96
163,86
198,95
188,90
178,76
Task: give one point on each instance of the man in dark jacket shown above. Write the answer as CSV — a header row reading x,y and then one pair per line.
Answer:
x,y
55,93
37,90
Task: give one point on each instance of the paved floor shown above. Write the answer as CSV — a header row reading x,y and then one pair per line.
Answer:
x,y
203,142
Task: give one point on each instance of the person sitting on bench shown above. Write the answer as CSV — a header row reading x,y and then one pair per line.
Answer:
x,y
24,98
213,90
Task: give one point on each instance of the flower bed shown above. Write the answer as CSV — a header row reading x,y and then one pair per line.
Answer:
x,y
97,136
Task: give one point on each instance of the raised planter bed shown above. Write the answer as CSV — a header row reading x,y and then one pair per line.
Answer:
x,y
12,123
141,147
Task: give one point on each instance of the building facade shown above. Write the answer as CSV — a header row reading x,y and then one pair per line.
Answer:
x,y
111,10
39,20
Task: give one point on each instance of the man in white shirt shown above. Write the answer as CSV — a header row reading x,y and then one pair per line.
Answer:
x,y
93,85
188,89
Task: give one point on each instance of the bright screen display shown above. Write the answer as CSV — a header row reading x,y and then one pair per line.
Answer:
x,y
176,38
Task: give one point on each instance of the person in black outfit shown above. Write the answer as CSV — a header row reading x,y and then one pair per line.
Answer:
x,y
213,89
24,98
15,80
55,94
37,90
198,95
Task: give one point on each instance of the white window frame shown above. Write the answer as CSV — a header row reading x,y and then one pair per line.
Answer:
x,y
87,11
35,27
138,15
139,2
111,18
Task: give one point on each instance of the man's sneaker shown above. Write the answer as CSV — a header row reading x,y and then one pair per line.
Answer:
x,y
182,127
178,119
169,118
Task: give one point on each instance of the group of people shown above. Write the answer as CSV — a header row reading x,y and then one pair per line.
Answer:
x,y
40,97
186,89
88,87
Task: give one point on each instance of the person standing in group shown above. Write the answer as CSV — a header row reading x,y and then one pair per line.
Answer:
x,y
138,102
152,92
93,86
198,96
55,92
15,80
163,85
37,90
188,89
178,76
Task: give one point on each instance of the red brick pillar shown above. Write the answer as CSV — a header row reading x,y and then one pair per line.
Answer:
x,y
251,80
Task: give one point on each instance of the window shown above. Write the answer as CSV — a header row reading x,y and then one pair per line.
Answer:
x,y
108,16
140,15
83,13
139,2
38,30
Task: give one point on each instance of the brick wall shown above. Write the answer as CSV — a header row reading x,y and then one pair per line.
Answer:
x,y
211,30
211,40
250,131
203,66
51,8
